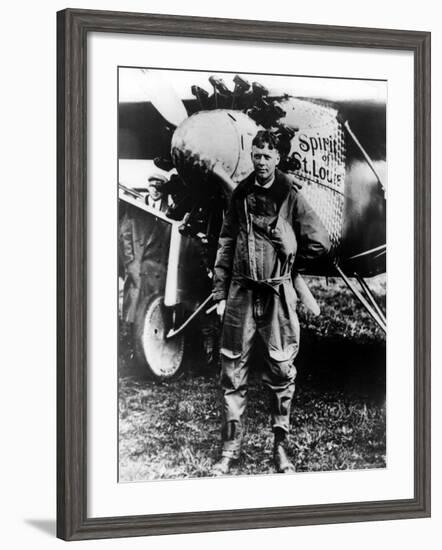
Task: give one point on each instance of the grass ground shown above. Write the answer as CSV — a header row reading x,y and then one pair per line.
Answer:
x,y
172,429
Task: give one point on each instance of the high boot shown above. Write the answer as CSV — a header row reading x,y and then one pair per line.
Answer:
x,y
231,432
282,462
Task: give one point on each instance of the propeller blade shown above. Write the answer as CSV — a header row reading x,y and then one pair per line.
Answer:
x,y
162,96
305,296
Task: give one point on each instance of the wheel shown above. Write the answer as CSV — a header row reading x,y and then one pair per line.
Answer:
x,y
162,357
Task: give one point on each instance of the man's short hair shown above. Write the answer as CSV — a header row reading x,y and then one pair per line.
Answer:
x,y
265,137
157,180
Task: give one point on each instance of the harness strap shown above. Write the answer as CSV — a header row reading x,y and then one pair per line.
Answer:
x,y
272,284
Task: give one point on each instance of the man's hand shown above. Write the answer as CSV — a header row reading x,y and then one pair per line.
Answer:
x,y
220,308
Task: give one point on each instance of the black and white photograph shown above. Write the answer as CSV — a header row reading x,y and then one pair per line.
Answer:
x,y
221,335
252,276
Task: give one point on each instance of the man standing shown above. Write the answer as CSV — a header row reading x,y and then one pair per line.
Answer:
x,y
268,233
142,237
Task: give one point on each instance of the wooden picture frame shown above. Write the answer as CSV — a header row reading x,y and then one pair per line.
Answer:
x,y
73,27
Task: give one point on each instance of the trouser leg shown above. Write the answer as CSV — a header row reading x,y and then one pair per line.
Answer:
x,y
279,377
234,380
279,330
238,334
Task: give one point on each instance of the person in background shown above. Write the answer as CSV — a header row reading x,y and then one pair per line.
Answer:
x,y
142,238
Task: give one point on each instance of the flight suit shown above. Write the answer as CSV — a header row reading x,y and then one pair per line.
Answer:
x,y
267,234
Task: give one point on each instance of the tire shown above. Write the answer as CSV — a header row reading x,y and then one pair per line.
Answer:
x,y
163,358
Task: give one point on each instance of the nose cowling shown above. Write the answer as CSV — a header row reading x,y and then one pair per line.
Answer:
x,y
214,140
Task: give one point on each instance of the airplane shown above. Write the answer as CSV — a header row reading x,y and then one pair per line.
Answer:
x,y
333,148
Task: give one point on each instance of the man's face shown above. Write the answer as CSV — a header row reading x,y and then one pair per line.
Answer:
x,y
154,192
264,161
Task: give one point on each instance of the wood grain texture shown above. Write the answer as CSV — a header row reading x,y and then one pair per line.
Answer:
x,y
422,271
72,29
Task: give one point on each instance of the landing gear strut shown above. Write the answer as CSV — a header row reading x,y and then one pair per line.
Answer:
x,y
366,298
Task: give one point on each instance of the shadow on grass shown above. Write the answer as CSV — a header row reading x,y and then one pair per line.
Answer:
x,y
343,365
